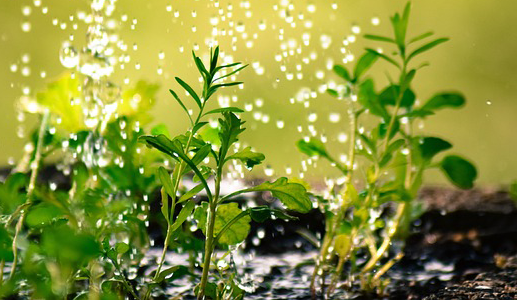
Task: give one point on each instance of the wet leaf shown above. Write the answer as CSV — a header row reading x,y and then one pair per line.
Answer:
x,y
263,213
224,109
185,212
236,233
191,92
314,147
248,157
292,195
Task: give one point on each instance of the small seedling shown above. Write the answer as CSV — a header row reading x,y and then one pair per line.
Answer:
x,y
221,222
392,159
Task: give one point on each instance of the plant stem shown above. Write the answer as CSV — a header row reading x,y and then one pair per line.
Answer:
x,y
30,191
2,266
329,236
209,244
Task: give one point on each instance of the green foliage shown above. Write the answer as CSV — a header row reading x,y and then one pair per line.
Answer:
x,y
391,159
223,223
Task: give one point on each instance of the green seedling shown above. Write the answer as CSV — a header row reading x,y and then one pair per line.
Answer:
x,y
391,158
221,222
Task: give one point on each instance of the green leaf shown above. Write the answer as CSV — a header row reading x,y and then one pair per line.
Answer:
x,y
369,99
121,247
190,91
342,245
224,109
42,214
225,213
442,100
459,171
390,96
181,104
342,72
198,126
213,61
420,37
231,73
230,130
427,47
263,213
248,157
175,150
314,147
166,181
430,146
384,56
293,195
160,129
333,93
200,66
58,99
193,192
176,272
165,205
379,38
364,63
185,212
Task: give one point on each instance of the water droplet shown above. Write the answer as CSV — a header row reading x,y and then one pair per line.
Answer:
x,y
311,8
26,10
375,21
68,56
488,102
26,71
26,26
13,68
269,171
280,124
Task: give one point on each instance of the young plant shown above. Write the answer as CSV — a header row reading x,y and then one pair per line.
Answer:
x,y
221,222
392,159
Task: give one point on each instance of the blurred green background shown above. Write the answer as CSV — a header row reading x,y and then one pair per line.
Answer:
x,y
479,61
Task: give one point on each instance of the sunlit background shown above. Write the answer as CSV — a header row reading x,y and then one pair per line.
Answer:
x,y
290,47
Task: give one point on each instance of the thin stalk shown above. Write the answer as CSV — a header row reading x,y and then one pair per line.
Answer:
x,y
341,263
2,266
209,244
329,236
30,191
169,231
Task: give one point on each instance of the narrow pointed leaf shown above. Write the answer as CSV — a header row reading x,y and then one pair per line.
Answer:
x,y
223,109
193,192
166,181
342,72
190,91
314,147
420,37
198,126
427,47
364,63
385,57
379,38
231,73
181,104
185,212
